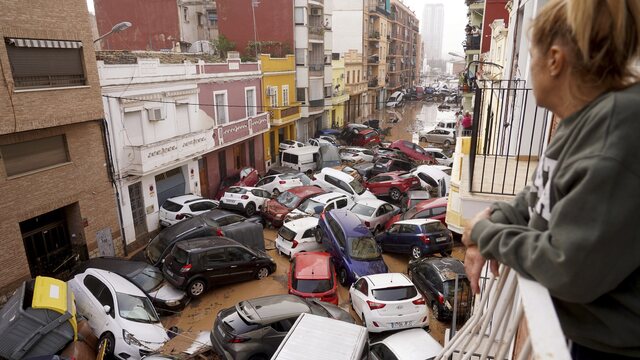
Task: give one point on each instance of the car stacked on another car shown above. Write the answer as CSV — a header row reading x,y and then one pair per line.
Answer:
x,y
417,237
275,210
374,213
318,204
279,183
298,236
247,176
366,137
176,209
440,156
428,209
393,184
412,344
413,151
386,164
245,199
289,144
412,198
196,265
356,154
312,275
334,180
388,302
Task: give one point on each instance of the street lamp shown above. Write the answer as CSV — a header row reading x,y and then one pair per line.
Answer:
x,y
456,55
121,26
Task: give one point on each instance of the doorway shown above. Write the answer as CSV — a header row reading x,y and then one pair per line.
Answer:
x,y
137,210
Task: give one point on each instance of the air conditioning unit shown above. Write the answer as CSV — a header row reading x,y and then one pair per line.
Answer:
x,y
155,114
316,11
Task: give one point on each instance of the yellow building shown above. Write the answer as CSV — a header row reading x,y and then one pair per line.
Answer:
x,y
339,93
279,99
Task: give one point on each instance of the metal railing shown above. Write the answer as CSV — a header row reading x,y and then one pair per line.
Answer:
x,y
513,319
472,42
509,132
48,81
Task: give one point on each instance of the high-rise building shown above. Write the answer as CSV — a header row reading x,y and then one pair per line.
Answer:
x,y
403,47
432,33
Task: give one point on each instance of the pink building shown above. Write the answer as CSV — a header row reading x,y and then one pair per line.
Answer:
x,y
229,95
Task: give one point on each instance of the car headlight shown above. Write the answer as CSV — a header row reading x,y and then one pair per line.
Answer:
x,y
172,302
130,339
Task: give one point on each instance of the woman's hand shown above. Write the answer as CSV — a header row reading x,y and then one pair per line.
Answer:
x,y
473,260
466,235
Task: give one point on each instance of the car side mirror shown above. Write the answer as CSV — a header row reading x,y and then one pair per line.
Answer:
x,y
107,309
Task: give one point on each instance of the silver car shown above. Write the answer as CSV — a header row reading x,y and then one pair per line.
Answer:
x,y
254,329
446,137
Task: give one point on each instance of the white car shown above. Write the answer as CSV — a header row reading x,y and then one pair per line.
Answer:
x,y
388,302
245,199
434,177
176,209
119,312
318,204
330,179
356,154
412,344
374,213
298,236
289,144
277,184
440,156
320,141
443,168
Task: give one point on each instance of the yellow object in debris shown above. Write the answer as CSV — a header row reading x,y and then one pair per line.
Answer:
x,y
54,294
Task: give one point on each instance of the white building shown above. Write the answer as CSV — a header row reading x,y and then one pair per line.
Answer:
x,y
155,137
433,33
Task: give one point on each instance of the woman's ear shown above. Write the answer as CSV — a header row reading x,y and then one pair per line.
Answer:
x,y
556,60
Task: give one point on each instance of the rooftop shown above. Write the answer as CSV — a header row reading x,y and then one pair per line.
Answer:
x,y
123,57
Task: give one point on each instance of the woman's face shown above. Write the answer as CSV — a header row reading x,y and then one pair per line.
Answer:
x,y
542,86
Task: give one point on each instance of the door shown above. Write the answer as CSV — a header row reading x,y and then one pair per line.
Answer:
x,y
204,179
377,185
239,156
359,298
267,183
47,243
170,184
216,266
240,264
390,240
406,237
93,303
137,210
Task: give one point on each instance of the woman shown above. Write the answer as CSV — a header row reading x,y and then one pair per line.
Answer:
x,y
574,229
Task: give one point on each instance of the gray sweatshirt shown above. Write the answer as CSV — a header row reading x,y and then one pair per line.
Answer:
x,y
575,229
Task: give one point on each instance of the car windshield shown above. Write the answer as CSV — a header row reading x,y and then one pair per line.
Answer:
x,y
363,210
236,190
157,246
410,213
287,142
357,187
413,202
303,178
363,248
309,206
420,150
395,293
312,286
286,233
433,227
136,308
288,199
148,279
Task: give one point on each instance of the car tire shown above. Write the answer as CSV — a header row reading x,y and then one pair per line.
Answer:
x,y
446,253
395,194
416,253
435,310
447,143
262,273
318,235
342,276
423,139
250,209
196,288
110,345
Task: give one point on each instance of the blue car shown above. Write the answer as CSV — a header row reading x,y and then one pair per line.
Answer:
x,y
327,132
353,249
417,237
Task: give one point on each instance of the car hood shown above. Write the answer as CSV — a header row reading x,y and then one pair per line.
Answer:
x,y
335,312
362,268
152,336
274,207
166,292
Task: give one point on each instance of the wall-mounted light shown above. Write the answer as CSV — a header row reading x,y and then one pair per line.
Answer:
x,y
150,187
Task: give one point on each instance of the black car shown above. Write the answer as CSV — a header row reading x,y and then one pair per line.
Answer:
x,y
149,279
212,223
386,164
364,169
435,278
196,265
278,170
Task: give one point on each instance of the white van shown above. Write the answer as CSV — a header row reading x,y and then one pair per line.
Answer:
x,y
395,99
314,337
302,159
335,180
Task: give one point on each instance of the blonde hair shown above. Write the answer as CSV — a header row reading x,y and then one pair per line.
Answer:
x,y
602,36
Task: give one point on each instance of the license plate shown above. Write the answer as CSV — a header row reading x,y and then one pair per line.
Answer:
x,y
400,324
231,201
442,238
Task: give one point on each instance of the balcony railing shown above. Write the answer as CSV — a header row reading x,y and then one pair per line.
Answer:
x,y
279,114
472,43
508,135
513,319
316,32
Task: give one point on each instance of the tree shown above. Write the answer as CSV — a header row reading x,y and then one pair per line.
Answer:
x,y
224,45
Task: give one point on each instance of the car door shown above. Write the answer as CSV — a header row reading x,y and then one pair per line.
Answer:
x,y
360,295
390,238
216,267
199,207
260,197
267,183
377,184
240,263
97,295
406,237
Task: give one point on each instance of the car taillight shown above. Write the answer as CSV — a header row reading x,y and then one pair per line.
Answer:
x,y
235,339
282,182
367,224
294,244
244,197
375,305
420,301
440,298
424,238
185,268
179,216
219,232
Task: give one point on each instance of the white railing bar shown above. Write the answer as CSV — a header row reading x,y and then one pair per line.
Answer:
x,y
546,336
526,350
499,327
510,334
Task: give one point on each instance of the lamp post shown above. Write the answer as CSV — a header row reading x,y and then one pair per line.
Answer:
x,y
121,26
456,55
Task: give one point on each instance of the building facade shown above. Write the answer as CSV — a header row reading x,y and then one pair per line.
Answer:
x,y
356,86
339,91
188,26
54,171
376,49
278,84
433,34
403,48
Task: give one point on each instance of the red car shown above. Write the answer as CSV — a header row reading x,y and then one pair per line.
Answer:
x,y
366,137
427,209
312,275
246,177
275,210
393,184
413,151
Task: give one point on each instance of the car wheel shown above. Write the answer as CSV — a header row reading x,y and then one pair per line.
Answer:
x,y
262,273
447,143
110,344
342,276
318,235
436,311
196,288
416,253
446,253
395,194
423,139
250,209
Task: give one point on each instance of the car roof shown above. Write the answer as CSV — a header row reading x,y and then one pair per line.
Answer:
x,y
412,344
124,267
429,203
184,199
367,131
117,282
418,194
302,224
447,268
431,171
267,309
326,197
433,149
387,280
312,265
394,174
205,243
216,214
350,222
249,188
337,174
305,191
372,202
302,150
417,221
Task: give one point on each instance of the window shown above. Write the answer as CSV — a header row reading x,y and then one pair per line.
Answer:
x,y
273,96
285,95
363,286
238,254
290,158
220,106
438,210
185,14
309,233
215,256
327,91
348,77
222,164
45,63
358,76
265,180
300,95
34,155
200,19
201,206
213,18
250,101
231,219
299,15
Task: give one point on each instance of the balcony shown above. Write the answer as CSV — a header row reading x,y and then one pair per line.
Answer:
x,y
472,43
158,155
374,36
282,115
316,33
242,129
316,106
373,83
316,69
339,96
